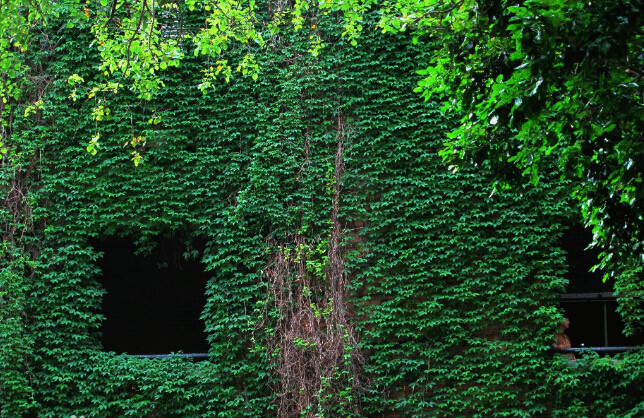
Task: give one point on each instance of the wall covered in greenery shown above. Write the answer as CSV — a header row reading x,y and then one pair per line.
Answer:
x,y
351,273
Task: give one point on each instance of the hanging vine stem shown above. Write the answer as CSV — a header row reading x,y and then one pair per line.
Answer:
x,y
19,175
15,203
318,362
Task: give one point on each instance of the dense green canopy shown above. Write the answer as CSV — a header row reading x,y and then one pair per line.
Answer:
x,y
555,84
538,85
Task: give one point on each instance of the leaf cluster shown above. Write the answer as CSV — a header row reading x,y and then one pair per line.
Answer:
x,y
549,84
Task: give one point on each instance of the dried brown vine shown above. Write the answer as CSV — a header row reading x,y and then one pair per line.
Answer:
x,y
318,361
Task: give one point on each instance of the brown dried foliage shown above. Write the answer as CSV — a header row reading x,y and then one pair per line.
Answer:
x,y
318,361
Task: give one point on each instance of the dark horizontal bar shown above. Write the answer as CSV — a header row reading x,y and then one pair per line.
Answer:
x,y
189,355
600,349
588,296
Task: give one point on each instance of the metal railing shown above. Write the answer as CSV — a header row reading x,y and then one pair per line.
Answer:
x,y
621,349
187,355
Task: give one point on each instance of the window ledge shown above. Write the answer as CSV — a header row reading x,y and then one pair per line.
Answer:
x,y
619,349
187,355
589,296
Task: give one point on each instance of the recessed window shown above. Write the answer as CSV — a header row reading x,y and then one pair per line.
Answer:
x,y
153,303
589,303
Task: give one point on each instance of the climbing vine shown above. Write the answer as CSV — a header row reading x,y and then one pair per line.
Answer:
x,y
316,350
351,274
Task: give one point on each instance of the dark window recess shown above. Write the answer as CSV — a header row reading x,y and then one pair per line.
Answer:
x,y
589,303
580,261
153,303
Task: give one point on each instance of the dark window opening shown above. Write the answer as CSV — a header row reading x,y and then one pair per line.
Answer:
x,y
153,303
595,322
589,303
580,261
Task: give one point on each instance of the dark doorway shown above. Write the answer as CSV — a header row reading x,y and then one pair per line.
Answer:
x,y
153,303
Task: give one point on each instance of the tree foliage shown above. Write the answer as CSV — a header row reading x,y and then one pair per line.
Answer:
x,y
555,84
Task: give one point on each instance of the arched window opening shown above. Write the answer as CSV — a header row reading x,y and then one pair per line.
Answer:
x,y
153,303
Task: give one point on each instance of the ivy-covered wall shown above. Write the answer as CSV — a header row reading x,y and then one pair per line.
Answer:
x,y
352,273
